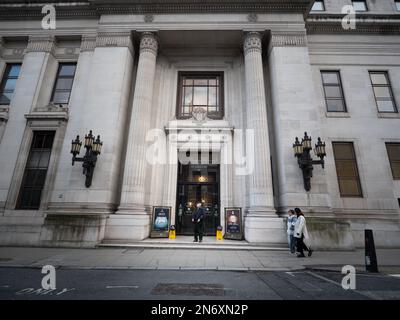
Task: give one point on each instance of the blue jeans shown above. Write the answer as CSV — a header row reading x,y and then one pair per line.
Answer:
x,y
292,243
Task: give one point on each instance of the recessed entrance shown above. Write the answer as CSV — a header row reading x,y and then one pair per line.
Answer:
x,y
197,182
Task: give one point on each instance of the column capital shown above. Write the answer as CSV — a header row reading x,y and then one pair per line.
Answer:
x,y
88,42
45,43
148,42
252,42
288,39
115,39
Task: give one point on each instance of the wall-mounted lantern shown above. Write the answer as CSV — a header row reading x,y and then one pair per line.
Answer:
x,y
302,152
93,149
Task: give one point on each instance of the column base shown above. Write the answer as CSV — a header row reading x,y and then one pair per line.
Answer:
x,y
130,227
265,228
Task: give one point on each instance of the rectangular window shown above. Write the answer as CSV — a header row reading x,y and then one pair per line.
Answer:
x,y
203,90
346,169
35,170
360,6
333,91
393,150
397,3
382,91
63,86
318,6
8,83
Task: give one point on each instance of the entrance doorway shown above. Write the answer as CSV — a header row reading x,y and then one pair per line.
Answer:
x,y
197,183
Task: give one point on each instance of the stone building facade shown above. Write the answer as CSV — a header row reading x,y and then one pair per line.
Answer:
x,y
235,81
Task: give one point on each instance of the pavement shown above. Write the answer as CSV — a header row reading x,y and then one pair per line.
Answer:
x,y
177,258
186,271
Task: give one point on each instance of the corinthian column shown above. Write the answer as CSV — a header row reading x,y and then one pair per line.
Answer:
x,y
261,223
133,187
261,196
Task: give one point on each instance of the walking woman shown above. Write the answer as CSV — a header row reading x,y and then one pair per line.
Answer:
x,y
291,222
301,234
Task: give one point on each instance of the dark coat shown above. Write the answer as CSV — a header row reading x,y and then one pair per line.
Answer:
x,y
198,214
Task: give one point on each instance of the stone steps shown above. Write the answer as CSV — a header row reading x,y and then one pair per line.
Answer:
x,y
188,244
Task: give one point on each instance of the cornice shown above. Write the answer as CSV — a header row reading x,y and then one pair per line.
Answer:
x,y
365,24
95,8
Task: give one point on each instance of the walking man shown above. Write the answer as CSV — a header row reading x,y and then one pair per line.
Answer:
x,y
291,221
198,222
301,234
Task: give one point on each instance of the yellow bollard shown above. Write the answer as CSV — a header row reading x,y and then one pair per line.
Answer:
x,y
172,233
219,233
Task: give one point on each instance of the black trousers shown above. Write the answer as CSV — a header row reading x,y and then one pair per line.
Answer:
x,y
198,230
300,245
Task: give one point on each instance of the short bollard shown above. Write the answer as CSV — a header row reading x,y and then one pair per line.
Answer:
x,y
172,233
219,233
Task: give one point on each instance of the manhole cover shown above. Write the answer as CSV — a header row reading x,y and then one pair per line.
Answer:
x,y
194,289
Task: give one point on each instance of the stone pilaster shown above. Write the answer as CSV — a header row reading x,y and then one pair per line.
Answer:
x,y
41,44
295,111
88,43
114,39
133,187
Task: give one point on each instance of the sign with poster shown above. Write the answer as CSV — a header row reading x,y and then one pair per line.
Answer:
x,y
233,223
160,222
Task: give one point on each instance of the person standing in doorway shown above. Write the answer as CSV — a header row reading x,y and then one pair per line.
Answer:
x,y
198,223
291,222
301,234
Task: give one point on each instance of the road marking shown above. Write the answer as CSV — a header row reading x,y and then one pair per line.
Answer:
x,y
121,287
5,286
291,274
394,275
367,294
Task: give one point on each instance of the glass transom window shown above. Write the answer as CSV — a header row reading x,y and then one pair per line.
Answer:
x,y
200,90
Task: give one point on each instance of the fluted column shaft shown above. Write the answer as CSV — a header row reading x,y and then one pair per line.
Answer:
x,y
260,191
133,188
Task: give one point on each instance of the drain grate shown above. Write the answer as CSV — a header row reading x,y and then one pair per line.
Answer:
x,y
193,289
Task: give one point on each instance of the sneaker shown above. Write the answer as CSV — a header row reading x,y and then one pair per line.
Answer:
x,y
310,253
300,256
195,240
200,240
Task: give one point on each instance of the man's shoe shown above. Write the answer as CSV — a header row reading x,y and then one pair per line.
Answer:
x,y
310,253
200,240
300,256
195,240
